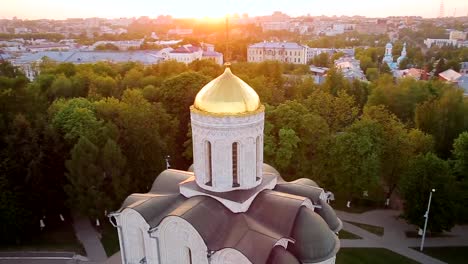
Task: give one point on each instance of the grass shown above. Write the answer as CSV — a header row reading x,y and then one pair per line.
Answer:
x,y
110,238
59,236
347,235
371,256
451,255
378,230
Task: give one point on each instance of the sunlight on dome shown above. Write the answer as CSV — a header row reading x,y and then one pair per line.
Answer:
x,y
227,94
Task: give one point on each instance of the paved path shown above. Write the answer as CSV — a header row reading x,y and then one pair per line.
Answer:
x,y
88,236
394,237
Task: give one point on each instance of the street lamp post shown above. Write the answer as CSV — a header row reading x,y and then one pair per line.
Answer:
x,y
426,215
168,166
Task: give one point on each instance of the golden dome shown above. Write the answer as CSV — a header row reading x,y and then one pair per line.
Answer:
x,y
227,94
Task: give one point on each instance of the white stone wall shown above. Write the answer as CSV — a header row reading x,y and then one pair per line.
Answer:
x,y
180,242
135,242
296,56
229,256
222,132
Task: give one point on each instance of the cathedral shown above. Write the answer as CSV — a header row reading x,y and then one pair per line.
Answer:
x,y
388,58
229,206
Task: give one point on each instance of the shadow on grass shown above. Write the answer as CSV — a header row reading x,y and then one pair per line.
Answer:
x,y
56,236
343,234
109,238
378,230
452,255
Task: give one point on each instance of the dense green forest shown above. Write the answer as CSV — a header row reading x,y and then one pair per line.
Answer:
x,y
83,137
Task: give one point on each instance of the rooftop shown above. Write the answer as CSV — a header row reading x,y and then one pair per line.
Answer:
x,y
277,45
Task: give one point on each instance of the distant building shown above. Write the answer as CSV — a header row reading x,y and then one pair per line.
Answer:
x,y
121,44
440,42
417,74
22,30
287,52
272,26
449,76
313,52
350,68
188,53
457,35
388,58
47,47
209,53
29,61
377,28
180,31
462,82
464,68
318,73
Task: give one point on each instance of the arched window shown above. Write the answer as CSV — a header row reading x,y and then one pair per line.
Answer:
x,y
258,163
208,164
235,164
189,255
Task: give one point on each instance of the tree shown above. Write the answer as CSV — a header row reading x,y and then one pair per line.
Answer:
x,y
372,74
61,87
142,135
429,172
74,119
396,147
385,69
294,140
116,180
335,82
444,118
86,180
356,158
287,144
460,170
14,216
338,111
460,154
321,60
177,94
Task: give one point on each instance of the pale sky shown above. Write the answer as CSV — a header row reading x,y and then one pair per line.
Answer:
x,y
60,9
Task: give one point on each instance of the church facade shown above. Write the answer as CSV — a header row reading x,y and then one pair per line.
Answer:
x,y
388,57
228,207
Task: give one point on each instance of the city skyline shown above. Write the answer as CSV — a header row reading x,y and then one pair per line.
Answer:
x,y
56,9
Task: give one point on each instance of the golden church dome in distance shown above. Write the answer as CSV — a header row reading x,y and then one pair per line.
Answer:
x,y
227,94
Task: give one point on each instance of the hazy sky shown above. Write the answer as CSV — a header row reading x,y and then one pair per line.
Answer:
x,y
59,9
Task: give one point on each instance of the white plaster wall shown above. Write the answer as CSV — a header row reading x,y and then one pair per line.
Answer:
x,y
328,261
135,240
222,132
175,237
229,256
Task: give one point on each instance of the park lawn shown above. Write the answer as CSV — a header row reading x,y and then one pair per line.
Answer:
x,y
60,237
343,234
109,239
451,255
378,230
371,256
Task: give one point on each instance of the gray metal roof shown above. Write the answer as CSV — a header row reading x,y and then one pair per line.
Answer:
x,y
253,233
279,255
145,57
313,243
